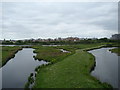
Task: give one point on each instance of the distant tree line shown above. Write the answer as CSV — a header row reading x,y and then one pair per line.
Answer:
x,y
62,42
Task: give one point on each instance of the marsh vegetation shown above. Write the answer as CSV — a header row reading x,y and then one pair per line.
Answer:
x,y
69,69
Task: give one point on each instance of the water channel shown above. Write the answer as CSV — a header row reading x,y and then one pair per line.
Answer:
x,y
16,71
106,69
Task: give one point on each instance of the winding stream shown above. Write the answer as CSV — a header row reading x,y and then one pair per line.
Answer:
x,y
17,70
106,69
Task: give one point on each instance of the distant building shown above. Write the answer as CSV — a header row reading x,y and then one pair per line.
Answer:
x,y
72,39
115,37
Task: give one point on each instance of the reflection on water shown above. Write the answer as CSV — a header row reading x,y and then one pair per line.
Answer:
x,y
106,69
17,70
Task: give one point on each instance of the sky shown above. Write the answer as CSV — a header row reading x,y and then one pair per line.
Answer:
x,y
25,20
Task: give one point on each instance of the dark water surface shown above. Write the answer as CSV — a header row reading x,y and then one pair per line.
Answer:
x,y
17,70
106,69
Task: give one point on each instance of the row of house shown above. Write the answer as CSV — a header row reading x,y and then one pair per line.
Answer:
x,y
56,39
74,39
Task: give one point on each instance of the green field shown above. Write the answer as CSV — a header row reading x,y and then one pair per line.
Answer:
x,y
116,50
8,52
70,72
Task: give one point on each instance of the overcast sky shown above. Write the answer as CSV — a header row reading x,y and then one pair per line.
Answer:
x,y
61,19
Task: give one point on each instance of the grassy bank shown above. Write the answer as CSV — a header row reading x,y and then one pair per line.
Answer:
x,y
8,52
70,72
116,50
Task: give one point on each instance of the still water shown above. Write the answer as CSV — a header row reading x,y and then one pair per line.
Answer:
x,y
17,70
106,69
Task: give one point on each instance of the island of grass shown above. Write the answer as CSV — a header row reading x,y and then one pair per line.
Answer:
x,y
116,50
70,71
50,54
8,52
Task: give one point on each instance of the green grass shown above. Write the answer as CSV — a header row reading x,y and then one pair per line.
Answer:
x,y
8,52
70,72
116,50
50,54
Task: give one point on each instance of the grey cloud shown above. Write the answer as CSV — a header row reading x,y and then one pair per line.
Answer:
x,y
27,20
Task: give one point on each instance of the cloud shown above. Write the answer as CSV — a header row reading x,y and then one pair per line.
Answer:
x,y
63,19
